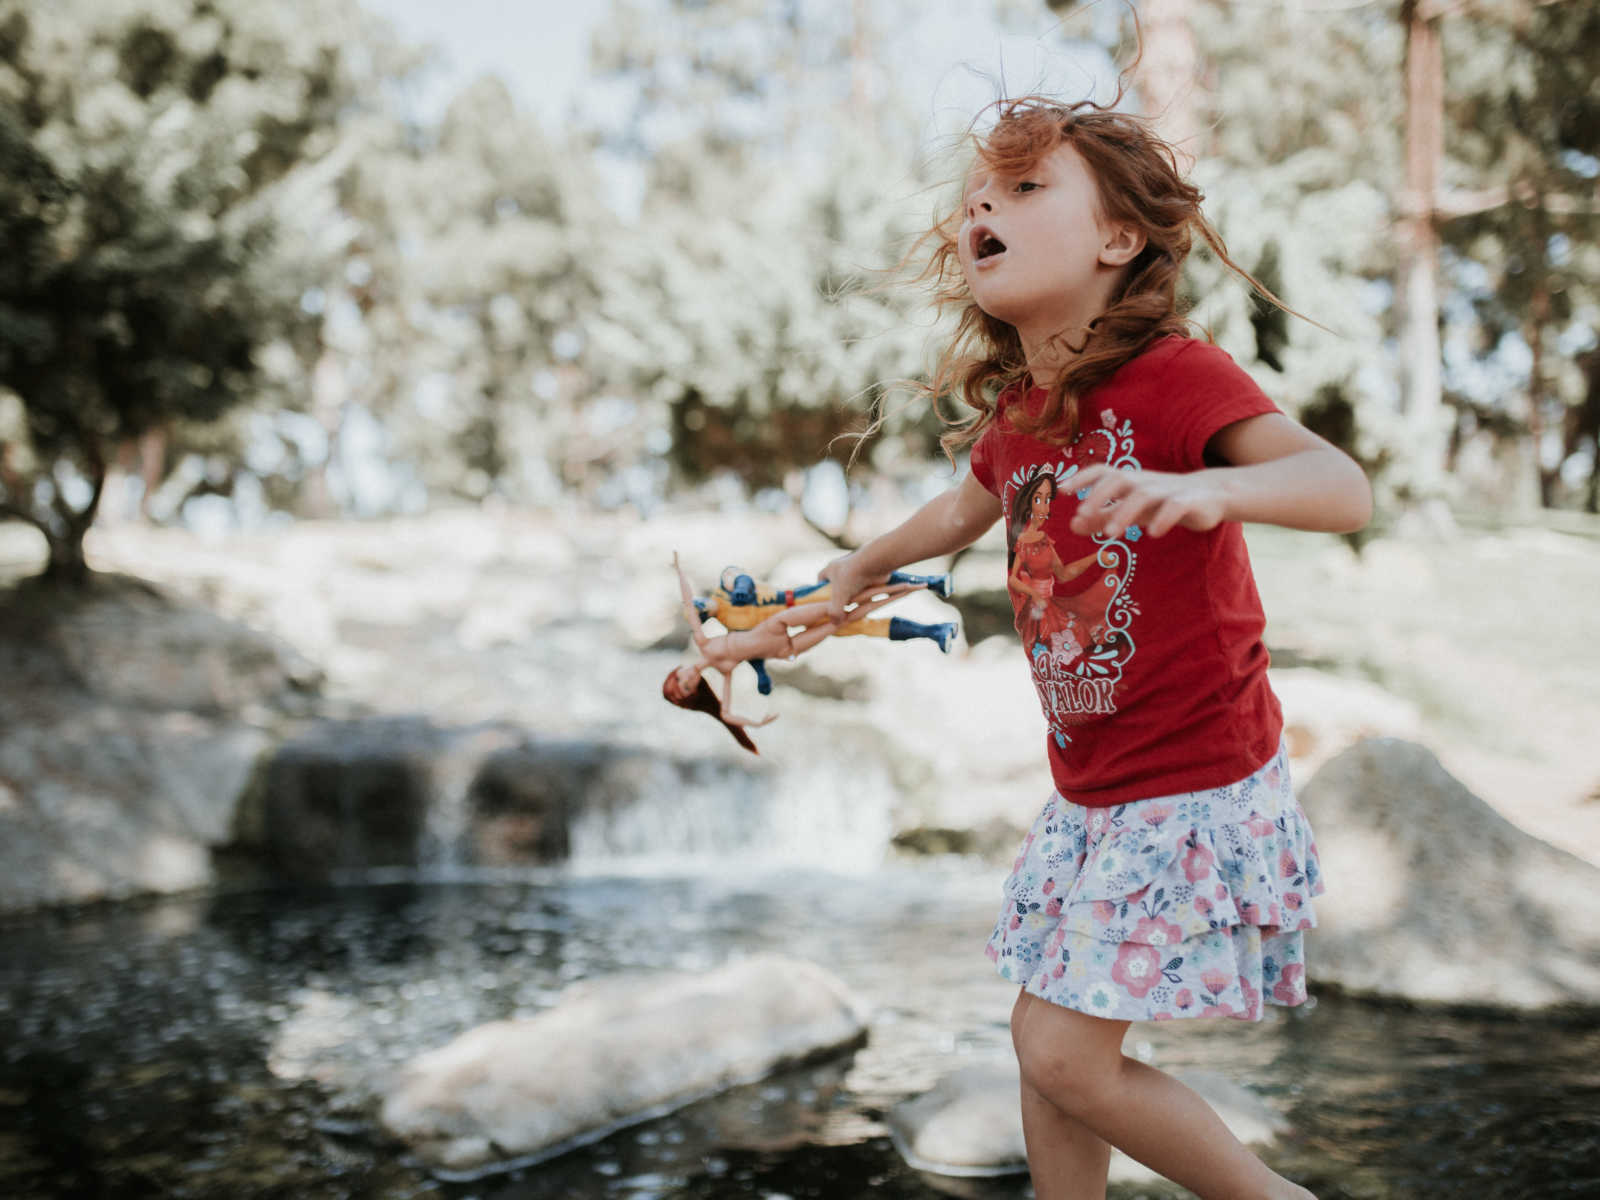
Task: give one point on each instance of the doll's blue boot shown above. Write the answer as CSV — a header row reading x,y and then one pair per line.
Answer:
x,y
902,630
939,585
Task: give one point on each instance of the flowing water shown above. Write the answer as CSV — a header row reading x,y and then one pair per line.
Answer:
x,y
229,1045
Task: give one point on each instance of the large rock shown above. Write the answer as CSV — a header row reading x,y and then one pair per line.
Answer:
x,y
970,1123
611,1053
130,724
1434,896
1324,713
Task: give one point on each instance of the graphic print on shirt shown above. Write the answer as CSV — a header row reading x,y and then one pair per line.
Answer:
x,y
1075,617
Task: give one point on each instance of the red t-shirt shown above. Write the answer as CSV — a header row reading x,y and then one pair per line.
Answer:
x,y
1146,652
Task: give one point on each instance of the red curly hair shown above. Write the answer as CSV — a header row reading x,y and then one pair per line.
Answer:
x,y
703,699
1138,183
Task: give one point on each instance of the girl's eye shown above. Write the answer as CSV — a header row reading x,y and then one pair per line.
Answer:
x,y
1027,185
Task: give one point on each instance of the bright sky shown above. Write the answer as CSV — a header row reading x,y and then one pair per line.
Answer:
x,y
539,47
949,62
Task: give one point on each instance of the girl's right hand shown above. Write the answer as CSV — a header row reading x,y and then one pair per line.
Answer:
x,y
848,576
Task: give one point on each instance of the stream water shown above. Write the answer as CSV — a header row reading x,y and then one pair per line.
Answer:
x,y
229,1045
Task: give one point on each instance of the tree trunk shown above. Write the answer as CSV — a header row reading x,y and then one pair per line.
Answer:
x,y
1589,423
65,532
1422,388
67,564
1169,75
1533,334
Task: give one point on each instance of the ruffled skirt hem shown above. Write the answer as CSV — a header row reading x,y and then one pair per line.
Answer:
x,y
1192,904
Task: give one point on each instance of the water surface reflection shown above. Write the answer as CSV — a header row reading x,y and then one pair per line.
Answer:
x,y
228,1046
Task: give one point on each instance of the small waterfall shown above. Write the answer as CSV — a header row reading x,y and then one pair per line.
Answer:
x,y
676,815
355,800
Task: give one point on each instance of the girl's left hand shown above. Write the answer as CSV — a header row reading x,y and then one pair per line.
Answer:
x,y
1156,501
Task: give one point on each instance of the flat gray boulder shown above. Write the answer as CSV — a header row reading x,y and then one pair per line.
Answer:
x,y
611,1053
970,1123
1433,896
130,724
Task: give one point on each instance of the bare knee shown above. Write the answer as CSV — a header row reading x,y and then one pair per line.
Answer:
x,y
1074,1068
1075,1083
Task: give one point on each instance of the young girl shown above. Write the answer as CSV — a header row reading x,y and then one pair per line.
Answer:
x,y
1172,871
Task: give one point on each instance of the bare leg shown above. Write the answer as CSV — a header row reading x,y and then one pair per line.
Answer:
x,y
1067,1159
1075,1063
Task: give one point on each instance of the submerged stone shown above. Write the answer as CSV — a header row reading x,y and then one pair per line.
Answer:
x,y
970,1123
611,1053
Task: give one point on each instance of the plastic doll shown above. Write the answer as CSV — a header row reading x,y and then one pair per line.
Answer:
x,y
786,632
740,602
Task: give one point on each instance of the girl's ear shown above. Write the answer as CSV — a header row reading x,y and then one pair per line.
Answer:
x,y
1122,244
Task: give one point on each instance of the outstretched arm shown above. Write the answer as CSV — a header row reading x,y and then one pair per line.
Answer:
x,y
1278,473
689,610
943,525
733,718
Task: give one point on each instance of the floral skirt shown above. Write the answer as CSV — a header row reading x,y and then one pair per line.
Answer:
x,y
1189,905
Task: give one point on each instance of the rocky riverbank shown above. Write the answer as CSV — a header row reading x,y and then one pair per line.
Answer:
x,y
475,690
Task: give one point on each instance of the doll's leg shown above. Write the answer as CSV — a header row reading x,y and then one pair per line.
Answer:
x,y
880,595
815,614
898,629
939,585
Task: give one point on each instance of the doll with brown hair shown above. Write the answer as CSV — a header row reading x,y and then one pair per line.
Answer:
x,y
785,634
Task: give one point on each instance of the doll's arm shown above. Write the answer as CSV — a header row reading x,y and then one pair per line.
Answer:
x,y
696,630
733,718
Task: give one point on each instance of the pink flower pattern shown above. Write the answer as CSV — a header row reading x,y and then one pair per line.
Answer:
x,y
1190,905
1291,985
1138,968
1197,863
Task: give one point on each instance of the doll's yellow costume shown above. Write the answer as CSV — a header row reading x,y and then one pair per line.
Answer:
x,y
740,603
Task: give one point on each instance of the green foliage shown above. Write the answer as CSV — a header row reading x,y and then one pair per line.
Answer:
x,y
1300,156
142,142
469,253
1525,117
754,308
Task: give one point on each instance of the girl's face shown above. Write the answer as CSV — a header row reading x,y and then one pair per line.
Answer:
x,y
1033,247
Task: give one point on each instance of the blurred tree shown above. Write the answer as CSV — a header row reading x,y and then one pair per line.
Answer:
x,y
745,310
451,309
142,143
1524,111
1338,194
1296,154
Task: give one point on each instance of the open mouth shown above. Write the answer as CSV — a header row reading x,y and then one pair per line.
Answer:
x,y
985,244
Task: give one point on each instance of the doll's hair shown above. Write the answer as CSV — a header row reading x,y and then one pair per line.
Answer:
x,y
703,699
1021,511
1138,182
